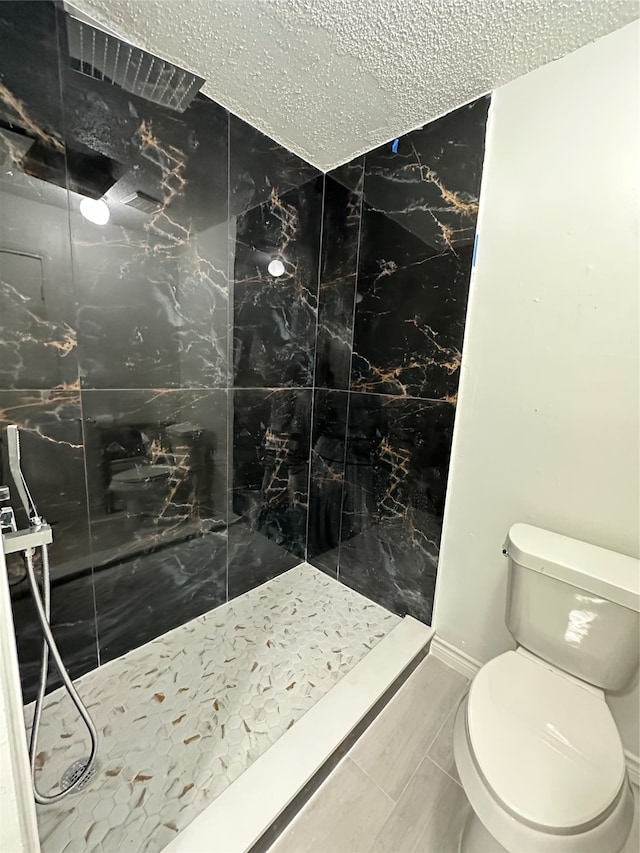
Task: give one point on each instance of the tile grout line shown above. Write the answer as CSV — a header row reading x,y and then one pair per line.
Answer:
x,y
426,753
72,270
228,492
444,722
315,363
370,778
446,773
348,388
213,388
414,849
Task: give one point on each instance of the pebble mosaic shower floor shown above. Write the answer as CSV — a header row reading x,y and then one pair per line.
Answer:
x,y
180,718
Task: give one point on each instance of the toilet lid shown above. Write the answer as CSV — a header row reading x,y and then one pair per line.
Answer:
x,y
548,747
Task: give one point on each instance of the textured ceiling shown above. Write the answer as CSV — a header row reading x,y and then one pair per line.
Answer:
x,y
330,79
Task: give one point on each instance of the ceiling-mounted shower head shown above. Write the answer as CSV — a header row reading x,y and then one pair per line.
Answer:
x,y
106,57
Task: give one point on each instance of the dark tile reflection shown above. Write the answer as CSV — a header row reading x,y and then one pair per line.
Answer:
x,y
152,283
156,471
156,466
53,464
38,341
340,246
260,167
350,175
395,481
30,28
73,626
142,597
327,478
270,472
410,311
403,346
431,184
254,557
275,317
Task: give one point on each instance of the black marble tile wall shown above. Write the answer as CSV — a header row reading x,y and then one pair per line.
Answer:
x,y
381,447
53,463
328,449
395,478
269,484
275,316
168,490
429,182
38,340
156,467
152,283
246,363
260,168
159,590
409,319
338,271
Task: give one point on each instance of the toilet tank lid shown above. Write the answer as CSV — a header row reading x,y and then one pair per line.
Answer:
x,y
608,574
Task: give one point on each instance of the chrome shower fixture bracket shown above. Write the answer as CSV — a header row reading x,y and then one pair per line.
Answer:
x,y
25,540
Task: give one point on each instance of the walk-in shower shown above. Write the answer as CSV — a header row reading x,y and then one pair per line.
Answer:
x,y
229,452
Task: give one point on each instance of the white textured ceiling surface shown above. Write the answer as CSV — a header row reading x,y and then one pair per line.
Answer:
x,y
330,79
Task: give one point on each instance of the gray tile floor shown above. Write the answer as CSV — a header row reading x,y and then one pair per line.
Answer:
x,y
397,789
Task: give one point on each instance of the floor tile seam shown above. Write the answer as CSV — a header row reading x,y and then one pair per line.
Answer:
x,y
389,708
446,772
388,796
427,750
414,848
442,725
374,847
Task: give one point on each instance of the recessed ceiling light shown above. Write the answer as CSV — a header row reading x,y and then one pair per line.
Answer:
x,y
95,210
276,267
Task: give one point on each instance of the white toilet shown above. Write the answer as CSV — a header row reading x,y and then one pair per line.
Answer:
x,y
536,748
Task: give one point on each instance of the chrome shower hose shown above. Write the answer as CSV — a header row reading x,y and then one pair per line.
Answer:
x,y
49,646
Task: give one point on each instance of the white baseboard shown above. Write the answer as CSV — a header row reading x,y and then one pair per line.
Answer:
x,y
453,657
468,666
633,767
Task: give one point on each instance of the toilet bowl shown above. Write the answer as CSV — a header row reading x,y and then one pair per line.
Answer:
x,y
541,761
536,747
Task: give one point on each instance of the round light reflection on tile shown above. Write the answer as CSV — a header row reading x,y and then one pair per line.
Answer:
x,y
95,210
276,267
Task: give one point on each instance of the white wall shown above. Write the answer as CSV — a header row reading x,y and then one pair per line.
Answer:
x,y
548,428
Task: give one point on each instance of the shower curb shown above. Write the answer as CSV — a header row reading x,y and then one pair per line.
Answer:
x,y
244,812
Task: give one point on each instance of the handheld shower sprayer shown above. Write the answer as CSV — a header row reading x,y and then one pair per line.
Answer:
x,y
13,450
38,536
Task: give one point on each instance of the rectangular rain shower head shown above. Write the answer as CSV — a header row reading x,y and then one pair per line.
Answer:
x,y
105,57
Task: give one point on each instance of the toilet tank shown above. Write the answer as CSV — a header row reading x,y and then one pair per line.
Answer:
x,y
574,605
